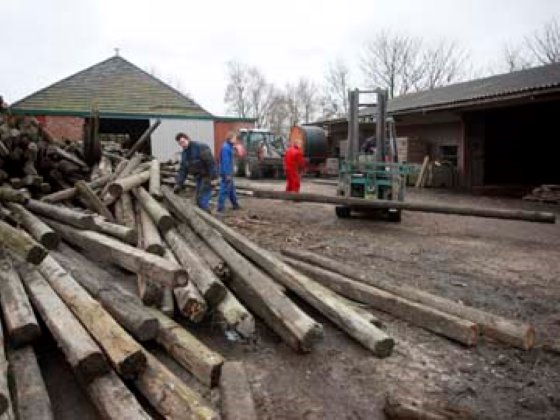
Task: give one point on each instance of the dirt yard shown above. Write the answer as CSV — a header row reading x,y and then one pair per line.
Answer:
x,y
506,267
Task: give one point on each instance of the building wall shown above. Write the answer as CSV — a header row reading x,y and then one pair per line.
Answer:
x,y
164,146
222,128
62,127
434,135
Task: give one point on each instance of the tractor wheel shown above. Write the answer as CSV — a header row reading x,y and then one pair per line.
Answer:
x,y
342,212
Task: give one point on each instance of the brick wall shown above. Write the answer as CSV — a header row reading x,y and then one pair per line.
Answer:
x,y
70,128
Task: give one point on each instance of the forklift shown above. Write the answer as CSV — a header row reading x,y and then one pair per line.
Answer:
x,y
371,176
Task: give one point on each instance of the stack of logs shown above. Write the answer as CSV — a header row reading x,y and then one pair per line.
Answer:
x,y
547,193
187,264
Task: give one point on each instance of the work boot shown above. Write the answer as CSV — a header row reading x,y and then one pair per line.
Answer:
x,y
236,207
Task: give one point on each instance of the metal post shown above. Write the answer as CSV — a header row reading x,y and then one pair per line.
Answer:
x,y
353,124
380,125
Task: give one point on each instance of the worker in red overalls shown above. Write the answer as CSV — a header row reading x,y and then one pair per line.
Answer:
x,y
294,163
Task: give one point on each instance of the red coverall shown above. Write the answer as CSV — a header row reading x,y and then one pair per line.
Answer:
x,y
293,165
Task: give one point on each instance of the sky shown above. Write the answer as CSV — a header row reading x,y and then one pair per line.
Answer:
x,y
188,43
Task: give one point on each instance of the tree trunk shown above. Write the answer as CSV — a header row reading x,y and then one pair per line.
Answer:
x,y
157,212
151,239
188,351
255,288
512,332
442,323
70,193
199,273
21,244
125,354
362,204
92,201
31,399
122,185
19,318
155,180
81,352
154,267
62,214
35,226
236,394
170,396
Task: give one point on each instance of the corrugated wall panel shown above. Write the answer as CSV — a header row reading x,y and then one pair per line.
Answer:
x,y
165,147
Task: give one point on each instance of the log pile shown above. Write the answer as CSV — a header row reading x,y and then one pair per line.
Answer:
x,y
546,193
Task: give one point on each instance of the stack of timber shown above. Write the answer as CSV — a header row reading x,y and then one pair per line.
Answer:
x,y
546,193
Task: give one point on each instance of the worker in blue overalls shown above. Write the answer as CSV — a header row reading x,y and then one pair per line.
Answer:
x,y
227,185
197,160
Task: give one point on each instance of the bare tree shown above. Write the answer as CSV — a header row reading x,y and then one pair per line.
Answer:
x,y
544,44
260,94
515,58
237,89
442,64
308,98
278,116
293,105
335,99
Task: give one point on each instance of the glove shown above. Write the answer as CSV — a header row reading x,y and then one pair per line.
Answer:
x,y
177,189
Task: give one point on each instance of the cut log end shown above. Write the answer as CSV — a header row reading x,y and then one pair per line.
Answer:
x,y
156,249
91,367
215,294
132,365
25,335
384,348
313,336
148,330
36,254
116,190
50,240
165,223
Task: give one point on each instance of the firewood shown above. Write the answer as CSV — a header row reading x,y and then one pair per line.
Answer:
x,y
126,256
188,351
35,226
21,324
21,244
31,399
256,289
236,394
81,352
123,352
509,331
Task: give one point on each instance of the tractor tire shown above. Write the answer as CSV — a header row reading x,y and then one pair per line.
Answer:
x,y
342,212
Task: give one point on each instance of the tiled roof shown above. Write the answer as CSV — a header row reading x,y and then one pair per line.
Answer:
x,y
115,87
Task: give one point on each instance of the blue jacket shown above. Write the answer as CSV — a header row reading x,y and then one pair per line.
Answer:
x,y
197,160
226,159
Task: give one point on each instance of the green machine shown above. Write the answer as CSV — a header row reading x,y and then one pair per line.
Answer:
x,y
375,174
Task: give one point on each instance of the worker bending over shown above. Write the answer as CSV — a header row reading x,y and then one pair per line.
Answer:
x,y
294,163
227,185
197,160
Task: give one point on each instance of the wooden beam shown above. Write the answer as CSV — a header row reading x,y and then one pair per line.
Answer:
x,y
35,226
143,139
363,204
19,318
31,399
257,290
81,352
515,333
236,394
123,352
21,244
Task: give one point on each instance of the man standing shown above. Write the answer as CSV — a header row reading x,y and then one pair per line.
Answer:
x,y
227,186
294,164
197,160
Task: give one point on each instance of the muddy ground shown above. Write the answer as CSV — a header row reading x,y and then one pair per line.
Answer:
x,y
506,267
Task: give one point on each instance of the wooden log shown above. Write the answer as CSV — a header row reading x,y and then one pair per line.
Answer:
x,y
45,188
170,396
123,352
70,193
442,323
130,313
155,180
232,315
157,212
143,139
199,273
218,266
62,214
168,302
123,233
363,204
32,181
113,400
8,216
124,211
19,318
151,239
133,259
122,185
190,302
21,244
515,333
188,351
5,402
31,399
118,171
35,226
400,407
320,297
257,290
236,395
9,194
92,200
81,352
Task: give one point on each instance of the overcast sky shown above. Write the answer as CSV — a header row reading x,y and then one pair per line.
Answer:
x,y
188,43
